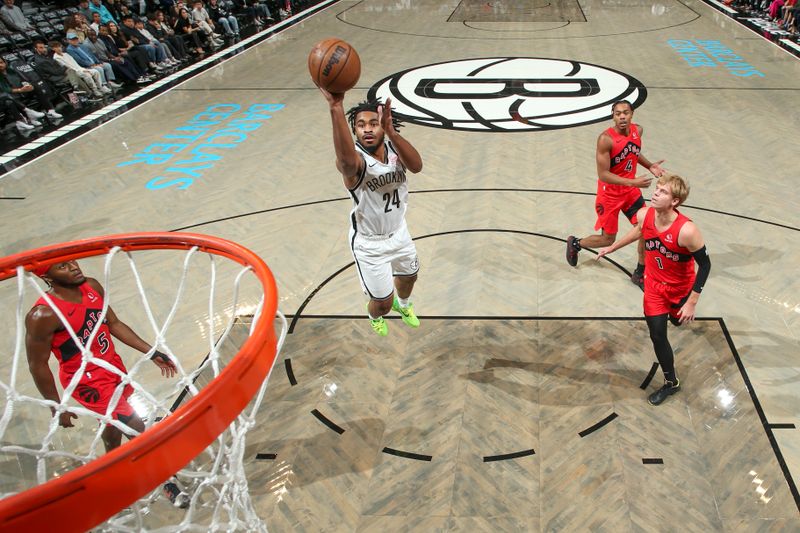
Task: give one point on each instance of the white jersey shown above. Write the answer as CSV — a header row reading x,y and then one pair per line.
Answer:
x,y
380,195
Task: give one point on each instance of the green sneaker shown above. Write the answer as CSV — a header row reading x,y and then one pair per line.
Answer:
x,y
407,312
379,325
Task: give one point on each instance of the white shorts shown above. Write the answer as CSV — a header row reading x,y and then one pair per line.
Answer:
x,y
380,258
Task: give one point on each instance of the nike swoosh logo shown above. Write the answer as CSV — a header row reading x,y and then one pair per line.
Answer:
x,y
372,165
70,313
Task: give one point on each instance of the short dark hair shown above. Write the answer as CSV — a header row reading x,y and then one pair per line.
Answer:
x,y
368,105
126,17
621,102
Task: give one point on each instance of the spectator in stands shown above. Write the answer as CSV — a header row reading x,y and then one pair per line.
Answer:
x,y
789,9
73,25
3,28
259,12
169,61
127,48
16,110
184,26
13,17
201,18
96,22
168,6
122,66
155,55
105,14
222,15
89,76
137,7
138,60
13,83
25,119
88,60
161,31
775,7
53,72
82,27
121,10
285,11
83,9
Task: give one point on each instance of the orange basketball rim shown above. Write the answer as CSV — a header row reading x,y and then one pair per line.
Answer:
x,y
90,494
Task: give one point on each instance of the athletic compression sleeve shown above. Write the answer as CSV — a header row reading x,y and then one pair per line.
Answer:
x,y
704,268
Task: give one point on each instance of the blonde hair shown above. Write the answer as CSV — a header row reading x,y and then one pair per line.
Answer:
x,y
678,186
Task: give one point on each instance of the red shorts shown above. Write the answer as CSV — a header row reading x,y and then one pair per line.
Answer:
x,y
96,389
661,299
609,206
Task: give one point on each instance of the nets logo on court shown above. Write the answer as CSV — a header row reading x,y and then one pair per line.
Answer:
x,y
501,94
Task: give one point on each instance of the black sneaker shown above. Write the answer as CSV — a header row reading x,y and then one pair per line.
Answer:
x,y
637,278
572,250
178,498
669,388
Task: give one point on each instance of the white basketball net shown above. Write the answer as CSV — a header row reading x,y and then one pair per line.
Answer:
x,y
215,480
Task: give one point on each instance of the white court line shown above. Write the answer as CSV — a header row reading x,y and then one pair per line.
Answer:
x,y
791,44
723,7
275,29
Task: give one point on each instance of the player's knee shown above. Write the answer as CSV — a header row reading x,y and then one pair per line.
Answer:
x,y
112,437
406,281
132,421
657,325
658,336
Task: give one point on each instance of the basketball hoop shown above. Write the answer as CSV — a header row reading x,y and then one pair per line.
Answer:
x,y
90,494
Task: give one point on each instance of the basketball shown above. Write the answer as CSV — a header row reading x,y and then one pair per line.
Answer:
x,y
334,65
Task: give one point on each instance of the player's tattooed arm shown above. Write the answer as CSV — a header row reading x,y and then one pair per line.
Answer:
x,y
41,323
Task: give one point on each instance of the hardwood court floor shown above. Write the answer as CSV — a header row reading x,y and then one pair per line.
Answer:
x,y
490,212
510,425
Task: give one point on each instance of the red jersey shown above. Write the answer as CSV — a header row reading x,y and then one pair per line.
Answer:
x,y
82,318
664,260
625,151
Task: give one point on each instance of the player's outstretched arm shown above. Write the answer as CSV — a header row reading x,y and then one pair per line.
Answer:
x,y
409,155
691,239
41,324
632,236
124,333
348,162
603,159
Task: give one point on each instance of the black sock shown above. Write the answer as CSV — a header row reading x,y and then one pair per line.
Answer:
x,y
577,243
658,334
639,268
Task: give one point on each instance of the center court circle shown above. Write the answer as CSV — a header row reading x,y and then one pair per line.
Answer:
x,y
507,94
